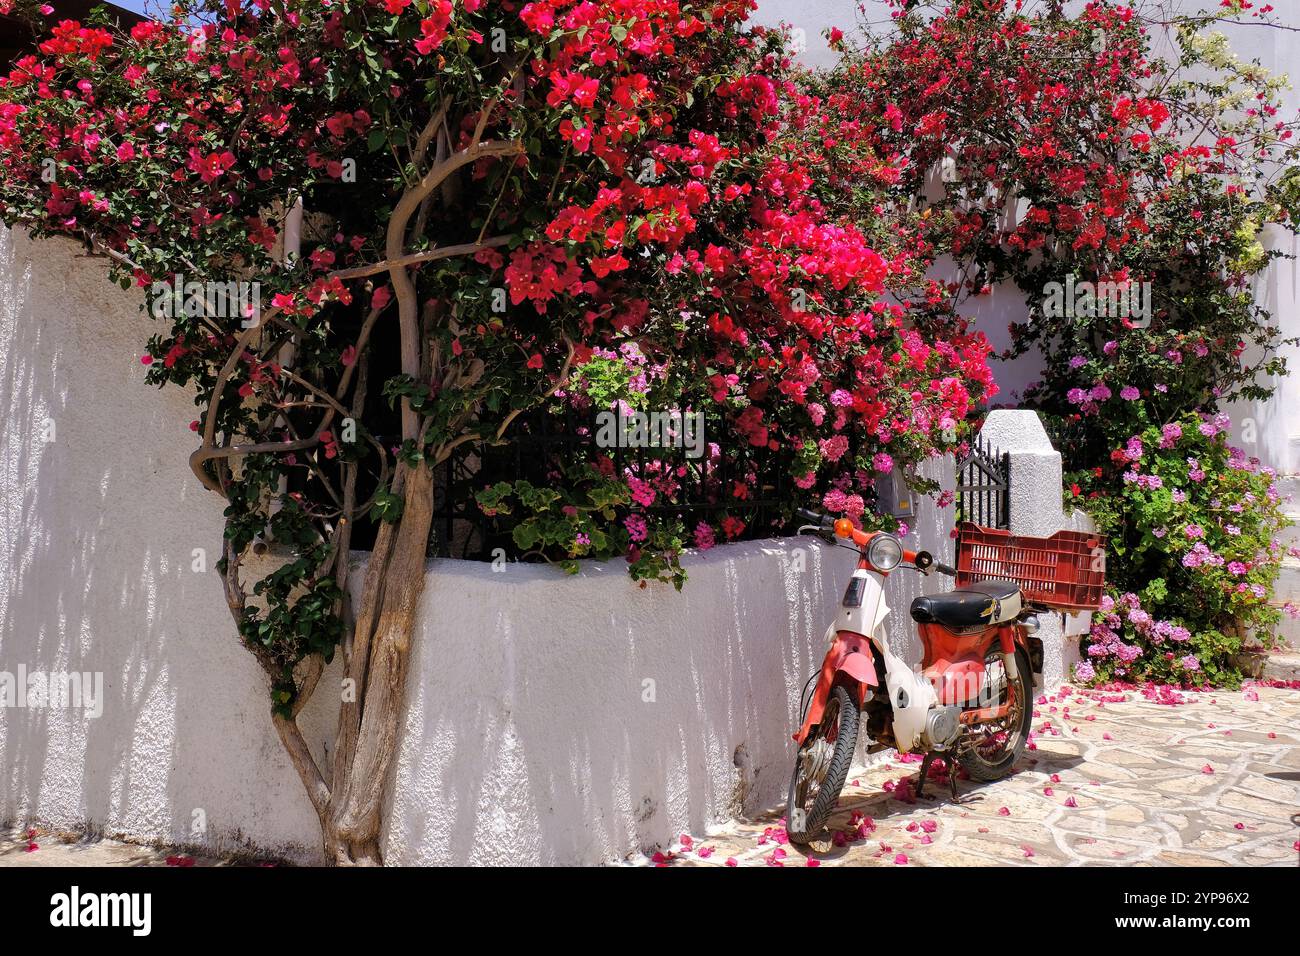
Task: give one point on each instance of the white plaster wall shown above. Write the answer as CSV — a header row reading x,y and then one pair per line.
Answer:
x,y
531,736
1036,509
527,739
97,531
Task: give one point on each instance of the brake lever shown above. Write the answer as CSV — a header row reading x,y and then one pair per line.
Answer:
x,y
821,532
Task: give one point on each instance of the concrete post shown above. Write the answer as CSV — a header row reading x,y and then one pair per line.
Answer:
x,y
1036,509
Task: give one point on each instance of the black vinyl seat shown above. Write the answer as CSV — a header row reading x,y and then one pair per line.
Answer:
x,y
970,607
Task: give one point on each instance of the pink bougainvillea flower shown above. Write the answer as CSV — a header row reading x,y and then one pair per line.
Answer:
x,y
1004,812
687,840
180,860
901,859
775,857
704,852
1029,851
1070,802
732,861
1207,769
811,862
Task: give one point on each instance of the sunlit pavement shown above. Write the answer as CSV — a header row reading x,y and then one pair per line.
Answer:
x,y
38,846
1121,778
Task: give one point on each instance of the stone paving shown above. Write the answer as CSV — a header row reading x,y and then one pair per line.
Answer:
x,y
1120,778
40,846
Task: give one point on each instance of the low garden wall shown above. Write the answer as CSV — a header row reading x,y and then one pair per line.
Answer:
x,y
552,719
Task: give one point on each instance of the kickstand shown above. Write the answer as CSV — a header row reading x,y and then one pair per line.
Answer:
x,y
925,770
952,780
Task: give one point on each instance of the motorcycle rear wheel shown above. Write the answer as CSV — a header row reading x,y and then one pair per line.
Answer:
x,y
993,749
821,766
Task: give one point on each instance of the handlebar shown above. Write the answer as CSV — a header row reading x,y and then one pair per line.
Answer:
x,y
923,561
825,522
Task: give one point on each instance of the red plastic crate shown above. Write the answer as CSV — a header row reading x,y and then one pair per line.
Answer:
x,y
1066,571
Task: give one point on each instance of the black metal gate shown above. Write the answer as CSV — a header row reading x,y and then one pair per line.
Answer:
x,y
984,487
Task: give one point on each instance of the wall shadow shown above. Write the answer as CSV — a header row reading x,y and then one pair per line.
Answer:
x,y
100,520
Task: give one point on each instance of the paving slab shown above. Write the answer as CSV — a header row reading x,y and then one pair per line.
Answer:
x,y
1111,778
46,847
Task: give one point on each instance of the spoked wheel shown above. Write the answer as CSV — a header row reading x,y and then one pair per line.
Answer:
x,y
991,749
821,767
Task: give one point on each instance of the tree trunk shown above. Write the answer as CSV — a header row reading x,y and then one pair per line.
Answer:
x,y
368,729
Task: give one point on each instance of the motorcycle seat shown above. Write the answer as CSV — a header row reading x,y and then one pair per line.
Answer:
x,y
971,607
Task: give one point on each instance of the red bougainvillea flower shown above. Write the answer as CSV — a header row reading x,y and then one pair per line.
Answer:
x,y
212,166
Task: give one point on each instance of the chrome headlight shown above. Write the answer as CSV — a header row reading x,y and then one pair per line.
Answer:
x,y
885,552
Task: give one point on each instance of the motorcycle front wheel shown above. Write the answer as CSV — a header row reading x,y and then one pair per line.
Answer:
x,y
821,766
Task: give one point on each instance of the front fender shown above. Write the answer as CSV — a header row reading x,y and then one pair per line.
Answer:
x,y
849,659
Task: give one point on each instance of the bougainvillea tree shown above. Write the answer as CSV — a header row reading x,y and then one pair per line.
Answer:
x,y
456,213
1123,194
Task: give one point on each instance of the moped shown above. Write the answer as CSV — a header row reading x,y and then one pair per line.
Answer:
x,y
969,701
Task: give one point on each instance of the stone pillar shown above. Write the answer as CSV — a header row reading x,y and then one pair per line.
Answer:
x,y
1036,508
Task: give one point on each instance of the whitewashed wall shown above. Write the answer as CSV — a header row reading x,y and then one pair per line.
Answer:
x,y
528,739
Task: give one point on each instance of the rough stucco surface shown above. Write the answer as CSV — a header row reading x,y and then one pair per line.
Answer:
x,y
527,740
1036,509
97,533
534,736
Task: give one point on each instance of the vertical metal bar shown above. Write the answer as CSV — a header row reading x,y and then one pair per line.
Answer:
x,y
1006,490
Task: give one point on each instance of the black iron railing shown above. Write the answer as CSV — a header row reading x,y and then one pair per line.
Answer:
x,y
537,447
